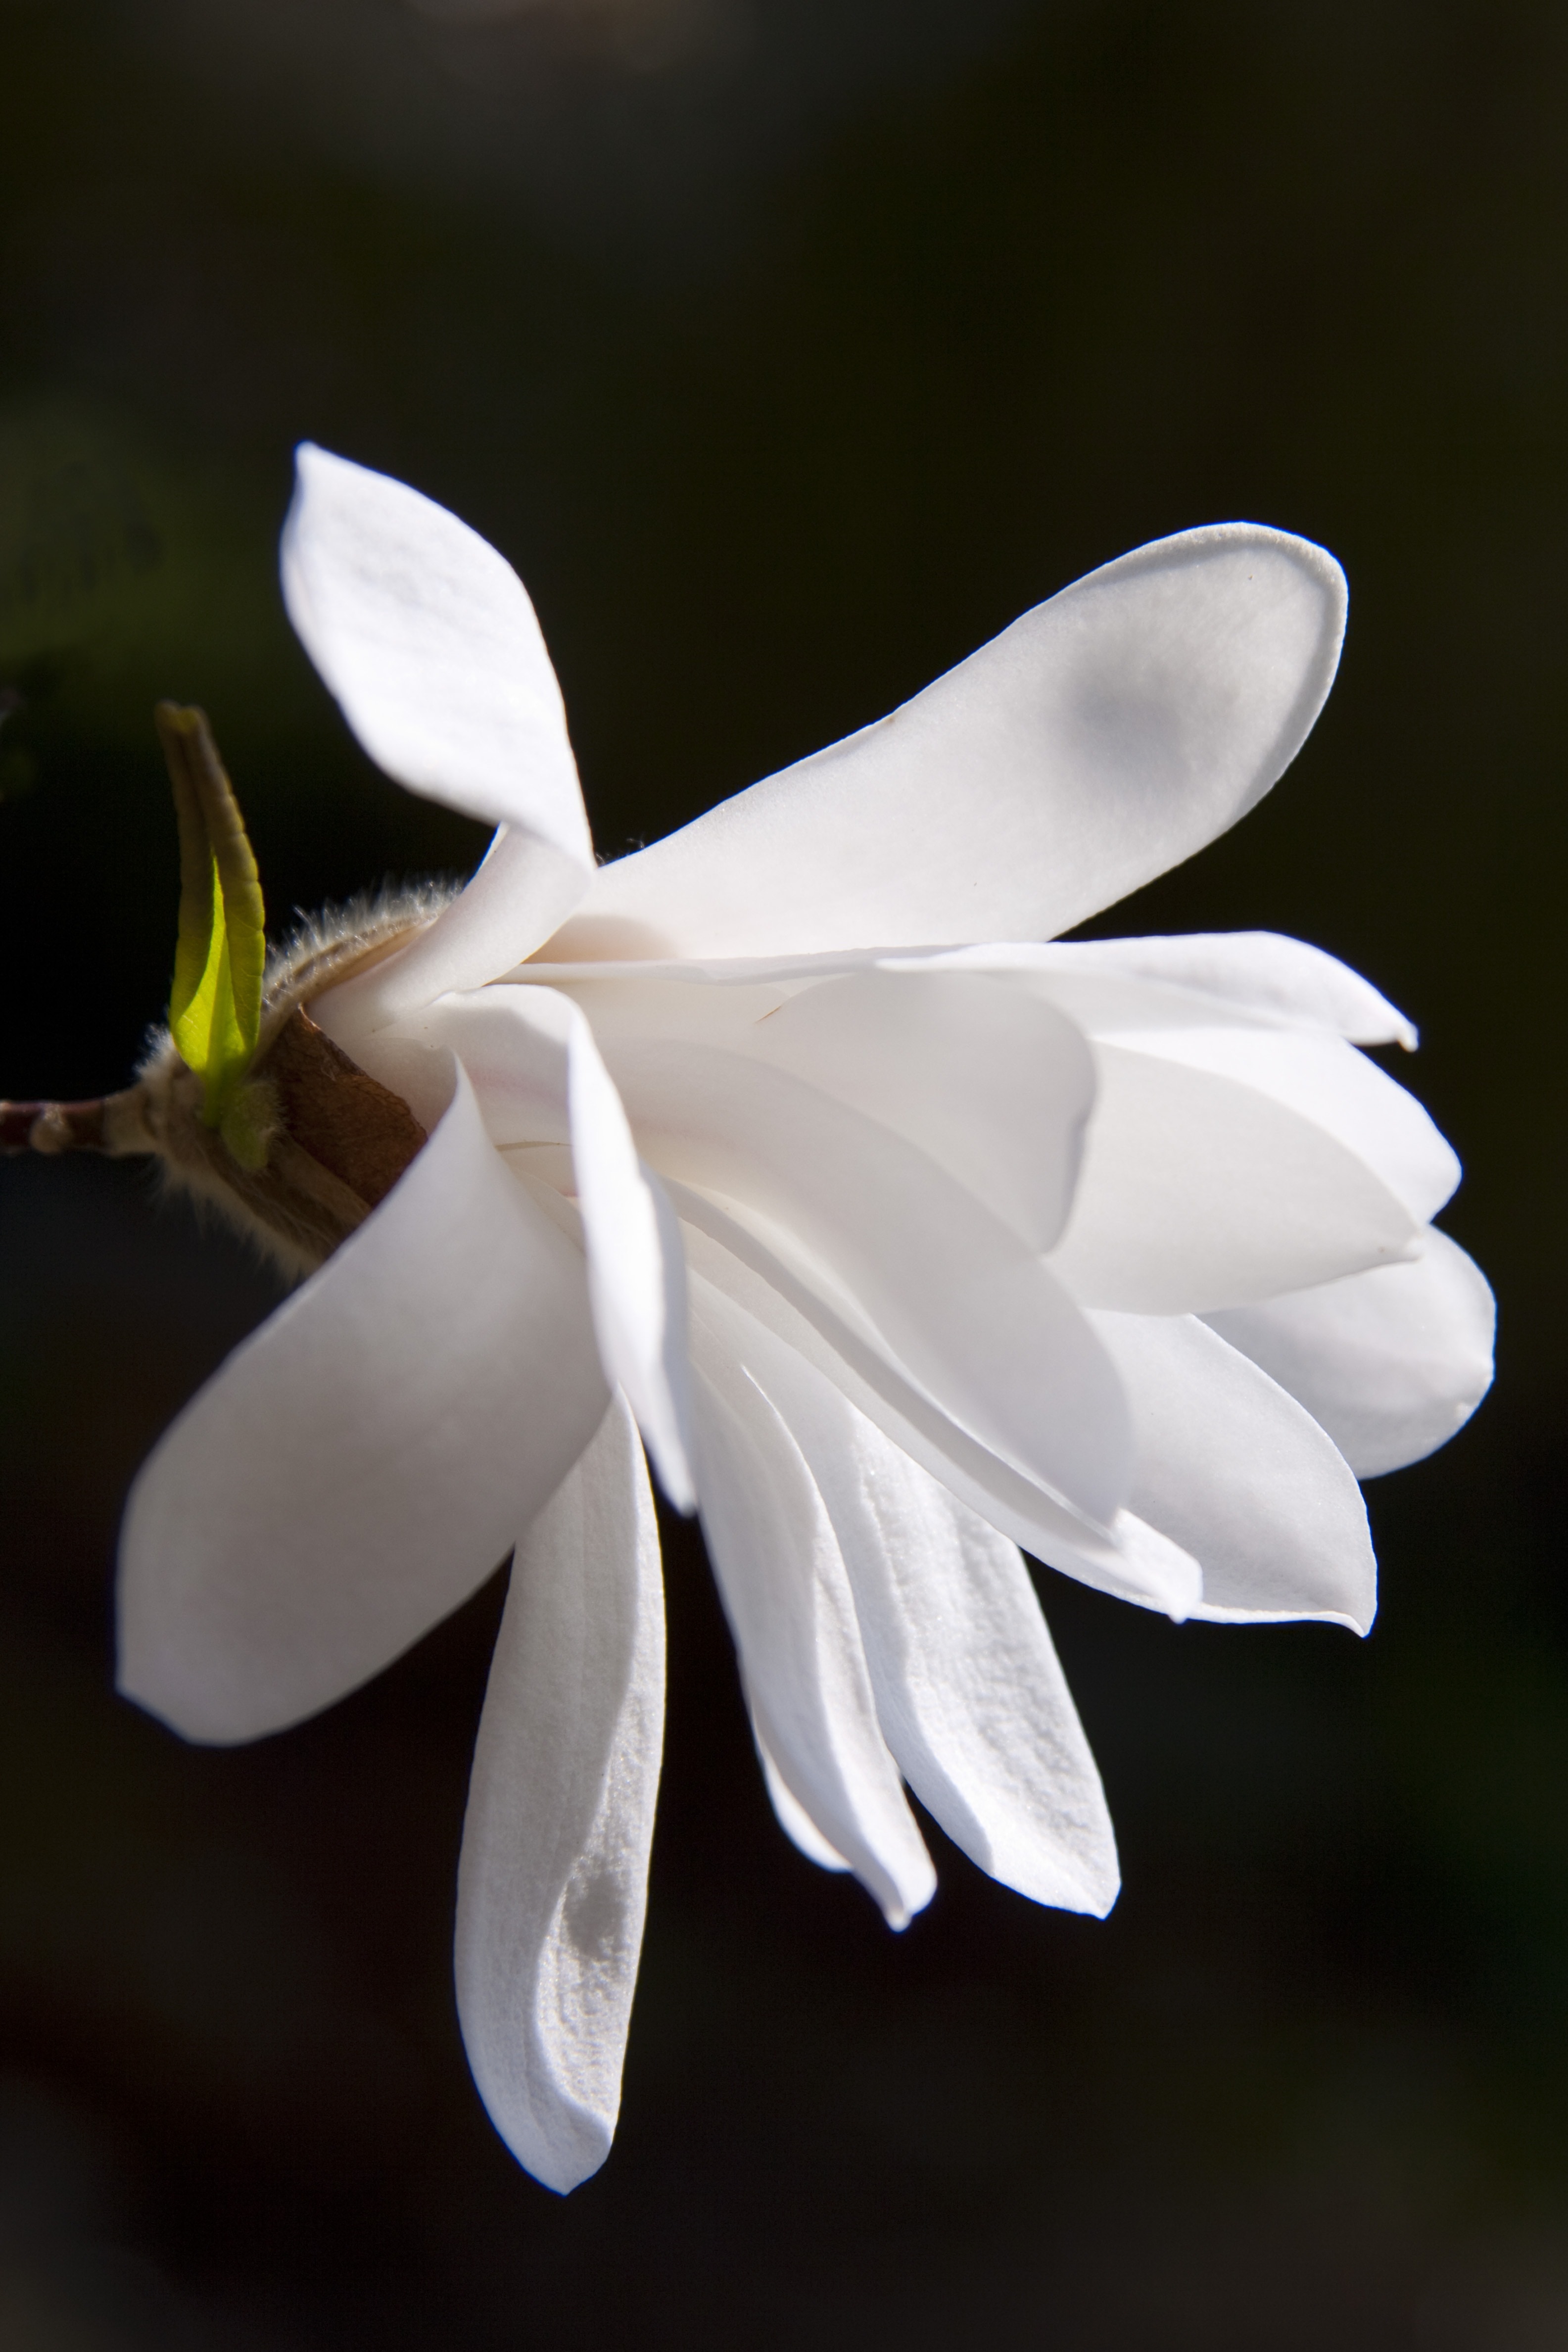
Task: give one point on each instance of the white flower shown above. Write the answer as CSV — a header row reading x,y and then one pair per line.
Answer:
x,y
900,1252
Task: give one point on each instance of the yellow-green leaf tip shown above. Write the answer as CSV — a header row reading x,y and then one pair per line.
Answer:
x,y
215,1005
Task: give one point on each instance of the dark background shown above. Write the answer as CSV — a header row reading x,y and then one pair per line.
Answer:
x,y
788,351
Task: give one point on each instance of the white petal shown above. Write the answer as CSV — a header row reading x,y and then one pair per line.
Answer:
x,y
1110,984
1391,1363
540,1080
1198,1193
793,1819
624,1002
970,1312
1105,736
1237,1472
990,1083
514,898
514,1045
637,1269
785,1592
365,1460
1128,1559
554,1877
969,1694
1255,978
724,972
426,637
1334,1087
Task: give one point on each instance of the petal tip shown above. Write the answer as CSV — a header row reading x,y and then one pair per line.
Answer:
x,y
1100,1901
560,2169
900,1906
191,1717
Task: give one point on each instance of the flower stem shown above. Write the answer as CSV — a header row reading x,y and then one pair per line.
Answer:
x,y
110,1123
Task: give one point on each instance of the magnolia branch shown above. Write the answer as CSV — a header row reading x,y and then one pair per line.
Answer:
x,y
110,1123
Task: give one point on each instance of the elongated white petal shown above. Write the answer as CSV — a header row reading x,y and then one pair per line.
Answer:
x,y
1198,1193
971,1313
1335,1087
426,637
540,1080
636,1268
1257,978
1239,1474
553,1883
726,972
1105,736
788,1600
993,1085
969,1692
365,1460
1110,984
793,1819
1264,972
1128,1558
1390,1362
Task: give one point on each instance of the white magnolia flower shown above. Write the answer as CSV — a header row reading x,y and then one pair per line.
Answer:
x,y
900,1251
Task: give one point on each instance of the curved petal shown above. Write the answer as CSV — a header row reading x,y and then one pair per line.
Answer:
x,y
793,1819
1328,1082
1105,736
365,1460
1390,1362
636,1270
515,898
989,1080
634,1002
1198,1193
966,1306
553,1883
1110,984
1128,1558
968,1693
426,638
782,1581
991,1084
1232,1469
1103,985
540,1080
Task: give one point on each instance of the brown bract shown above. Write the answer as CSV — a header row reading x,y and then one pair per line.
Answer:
x,y
336,1140
346,1120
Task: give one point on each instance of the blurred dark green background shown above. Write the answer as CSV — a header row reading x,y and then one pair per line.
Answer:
x,y
788,351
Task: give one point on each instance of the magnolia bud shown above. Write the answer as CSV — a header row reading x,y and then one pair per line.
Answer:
x,y
248,1105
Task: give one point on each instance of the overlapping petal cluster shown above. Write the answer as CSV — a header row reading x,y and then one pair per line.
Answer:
x,y
903,1238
